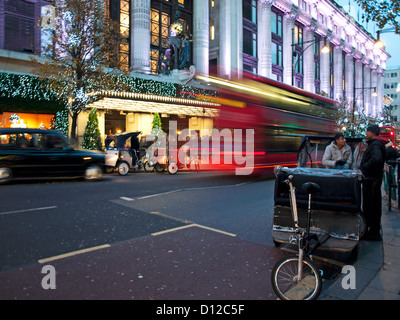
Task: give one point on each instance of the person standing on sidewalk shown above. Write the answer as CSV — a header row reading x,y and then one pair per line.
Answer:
x,y
371,166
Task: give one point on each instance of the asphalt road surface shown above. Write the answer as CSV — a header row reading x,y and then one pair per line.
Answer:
x,y
144,236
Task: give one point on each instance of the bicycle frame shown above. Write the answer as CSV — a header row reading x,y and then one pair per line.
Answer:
x,y
303,237
299,238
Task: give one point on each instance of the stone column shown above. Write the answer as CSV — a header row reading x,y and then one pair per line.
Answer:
x,y
264,37
140,36
201,36
367,90
359,84
325,71
288,26
338,73
350,79
237,38
224,70
308,57
374,99
231,38
380,82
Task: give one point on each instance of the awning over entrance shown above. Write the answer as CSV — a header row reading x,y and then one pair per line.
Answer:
x,y
138,102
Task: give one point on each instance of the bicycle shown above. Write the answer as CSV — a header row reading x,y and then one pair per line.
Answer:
x,y
296,277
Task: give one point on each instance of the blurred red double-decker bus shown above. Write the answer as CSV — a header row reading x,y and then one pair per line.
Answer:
x,y
279,115
391,133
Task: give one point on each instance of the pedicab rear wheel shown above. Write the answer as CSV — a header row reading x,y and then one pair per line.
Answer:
x,y
123,168
173,168
159,167
148,167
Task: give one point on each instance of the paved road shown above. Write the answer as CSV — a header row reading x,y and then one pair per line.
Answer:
x,y
143,236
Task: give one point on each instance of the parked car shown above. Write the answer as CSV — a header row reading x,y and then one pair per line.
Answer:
x,y
35,153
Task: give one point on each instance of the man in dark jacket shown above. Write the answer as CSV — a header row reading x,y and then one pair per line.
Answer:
x,y
371,166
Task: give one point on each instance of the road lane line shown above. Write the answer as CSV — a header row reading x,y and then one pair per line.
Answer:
x,y
172,230
27,210
193,225
127,199
73,253
158,194
186,189
170,217
213,229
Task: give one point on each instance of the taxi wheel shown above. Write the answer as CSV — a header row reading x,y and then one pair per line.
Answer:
x,y
123,168
109,169
93,172
5,175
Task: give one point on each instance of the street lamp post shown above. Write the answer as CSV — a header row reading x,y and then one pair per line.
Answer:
x,y
324,49
379,44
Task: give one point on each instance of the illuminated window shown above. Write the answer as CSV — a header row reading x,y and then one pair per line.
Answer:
x,y
298,56
159,23
118,11
250,60
331,70
344,73
124,25
212,33
277,44
161,15
317,63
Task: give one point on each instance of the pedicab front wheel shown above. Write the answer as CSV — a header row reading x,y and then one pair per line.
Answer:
x,y
285,280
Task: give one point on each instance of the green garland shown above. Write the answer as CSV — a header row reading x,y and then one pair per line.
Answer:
x,y
24,93
149,86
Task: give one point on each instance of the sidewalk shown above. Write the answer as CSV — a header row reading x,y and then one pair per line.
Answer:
x,y
377,267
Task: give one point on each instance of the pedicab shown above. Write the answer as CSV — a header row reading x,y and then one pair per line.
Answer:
x,y
123,153
176,158
336,208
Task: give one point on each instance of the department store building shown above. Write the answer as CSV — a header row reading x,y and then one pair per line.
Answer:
x,y
277,39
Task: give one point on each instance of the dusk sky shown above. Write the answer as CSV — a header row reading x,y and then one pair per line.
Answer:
x,y
392,40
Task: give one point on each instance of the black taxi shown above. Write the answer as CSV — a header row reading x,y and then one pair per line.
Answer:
x,y
36,153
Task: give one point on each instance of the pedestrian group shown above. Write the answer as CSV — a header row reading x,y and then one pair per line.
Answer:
x,y
338,155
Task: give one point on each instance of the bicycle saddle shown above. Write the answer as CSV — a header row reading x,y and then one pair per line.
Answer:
x,y
310,187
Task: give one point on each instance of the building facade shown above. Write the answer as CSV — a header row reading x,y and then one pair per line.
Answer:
x,y
277,39
391,89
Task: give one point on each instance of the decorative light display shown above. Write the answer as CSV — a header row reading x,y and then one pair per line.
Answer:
x,y
91,137
27,93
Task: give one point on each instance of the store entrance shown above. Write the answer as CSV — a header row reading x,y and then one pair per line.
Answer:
x,y
115,122
182,122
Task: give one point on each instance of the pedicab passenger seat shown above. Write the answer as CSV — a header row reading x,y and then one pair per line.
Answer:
x,y
335,209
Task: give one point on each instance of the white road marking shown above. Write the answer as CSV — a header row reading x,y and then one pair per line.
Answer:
x,y
172,230
159,194
185,189
27,210
193,225
127,199
73,253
